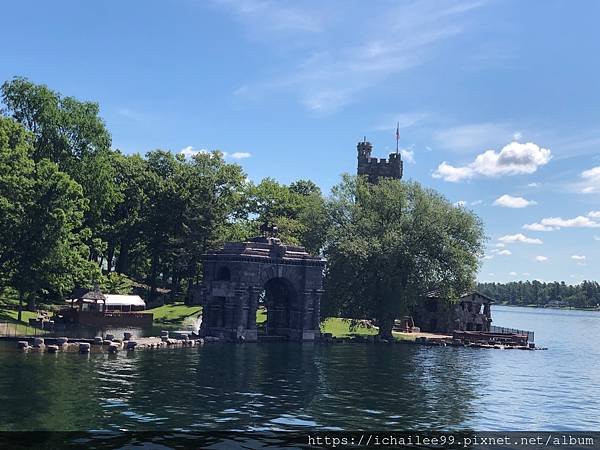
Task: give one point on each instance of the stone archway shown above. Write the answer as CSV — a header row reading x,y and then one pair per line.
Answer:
x,y
235,277
280,300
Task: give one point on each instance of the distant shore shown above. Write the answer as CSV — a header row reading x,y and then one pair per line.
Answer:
x,y
549,307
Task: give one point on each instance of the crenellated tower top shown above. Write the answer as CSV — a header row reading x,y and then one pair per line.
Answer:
x,y
375,168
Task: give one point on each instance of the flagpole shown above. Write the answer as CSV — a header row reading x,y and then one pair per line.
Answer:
x,y
397,136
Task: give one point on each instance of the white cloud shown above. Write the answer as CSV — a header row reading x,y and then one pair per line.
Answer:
x,y
519,237
537,227
336,63
594,214
189,152
471,138
591,180
508,201
505,253
514,274
578,257
453,174
534,185
556,223
408,155
541,258
488,257
464,203
238,155
500,245
517,136
525,274
513,159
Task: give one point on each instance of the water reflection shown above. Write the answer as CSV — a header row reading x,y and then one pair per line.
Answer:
x,y
240,387
295,386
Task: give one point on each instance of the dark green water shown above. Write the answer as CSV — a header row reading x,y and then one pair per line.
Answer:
x,y
299,386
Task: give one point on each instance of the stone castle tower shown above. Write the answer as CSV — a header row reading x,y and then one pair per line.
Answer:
x,y
377,168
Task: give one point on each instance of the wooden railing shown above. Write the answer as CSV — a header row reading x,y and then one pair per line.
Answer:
x,y
504,330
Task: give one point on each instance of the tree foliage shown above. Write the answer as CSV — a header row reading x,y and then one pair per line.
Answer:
x,y
42,248
390,244
540,293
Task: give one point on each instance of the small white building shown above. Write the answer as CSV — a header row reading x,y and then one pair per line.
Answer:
x,y
116,302
110,302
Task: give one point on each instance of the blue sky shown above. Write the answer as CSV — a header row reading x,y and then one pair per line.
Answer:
x,y
497,100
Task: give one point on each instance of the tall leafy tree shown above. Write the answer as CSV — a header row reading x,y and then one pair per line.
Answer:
x,y
41,242
392,243
297,210
71,134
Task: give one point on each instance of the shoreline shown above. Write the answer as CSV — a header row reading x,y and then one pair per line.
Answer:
x,y
558,308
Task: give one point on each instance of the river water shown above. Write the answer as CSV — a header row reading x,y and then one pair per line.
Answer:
x,y
274,386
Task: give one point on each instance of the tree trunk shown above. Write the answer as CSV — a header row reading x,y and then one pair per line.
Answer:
x,y
123,261
19,315
31,303
110,255
153,275
385,327
174,284
190,281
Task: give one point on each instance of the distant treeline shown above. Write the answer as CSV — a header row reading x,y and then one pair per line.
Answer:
x,y
583,295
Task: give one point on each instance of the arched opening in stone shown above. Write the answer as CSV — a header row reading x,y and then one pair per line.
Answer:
x,y
223,274
276,303
217,312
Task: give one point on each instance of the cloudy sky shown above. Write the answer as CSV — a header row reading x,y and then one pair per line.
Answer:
x,y
498,101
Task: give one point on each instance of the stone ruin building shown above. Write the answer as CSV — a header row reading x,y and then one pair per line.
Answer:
x,y
262,272
375,168
472,312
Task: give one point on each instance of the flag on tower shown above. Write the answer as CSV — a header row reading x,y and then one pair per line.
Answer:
x,y
397,135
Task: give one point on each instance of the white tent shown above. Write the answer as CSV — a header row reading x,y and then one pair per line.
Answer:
x,y
124,300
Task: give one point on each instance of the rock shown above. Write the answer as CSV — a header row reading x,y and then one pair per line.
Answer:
x,y
113,348
62,340
164,333
23,345
131,345
104,343
52,348
84,347
109,337
127,336
38,342
98,340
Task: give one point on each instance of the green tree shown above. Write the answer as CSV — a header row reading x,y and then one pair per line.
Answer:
x,y
116,283
390,244
71,134
298,210
41,249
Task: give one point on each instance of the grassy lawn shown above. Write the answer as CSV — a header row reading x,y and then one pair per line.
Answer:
x,y
339,327
175,313
11,326
11,315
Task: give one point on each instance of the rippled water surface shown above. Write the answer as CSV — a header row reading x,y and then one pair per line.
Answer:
x,y
299,386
